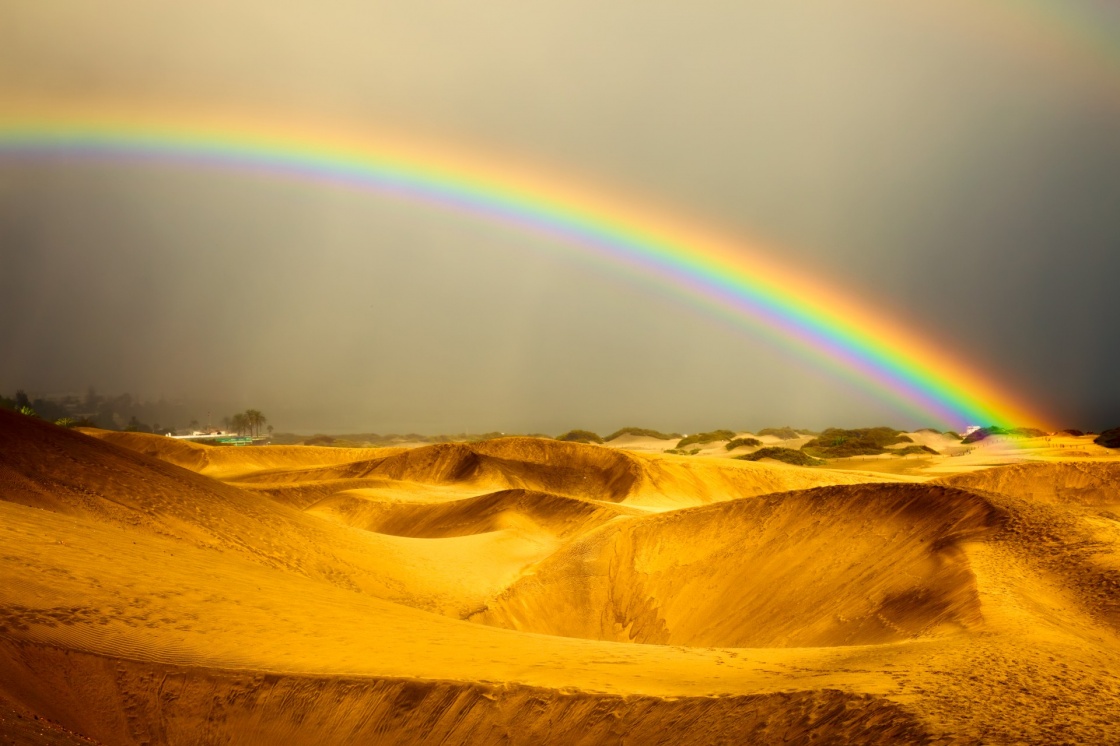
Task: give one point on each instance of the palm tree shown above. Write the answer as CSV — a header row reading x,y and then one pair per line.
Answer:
x,y
239,422
256,420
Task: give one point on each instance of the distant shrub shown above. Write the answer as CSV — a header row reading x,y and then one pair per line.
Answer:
x,y
786,455
929,430
702,438
641,432
1074,433
954,435
785,433
580,436
869,441
914,449
1109,438
742,443
1015,432
319,440
978,435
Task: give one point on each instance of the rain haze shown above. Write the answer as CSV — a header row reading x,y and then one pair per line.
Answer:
x,y
961,178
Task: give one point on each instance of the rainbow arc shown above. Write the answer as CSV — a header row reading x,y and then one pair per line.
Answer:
x,y
727,276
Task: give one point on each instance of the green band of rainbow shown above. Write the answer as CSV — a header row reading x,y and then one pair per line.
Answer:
x,y
723,275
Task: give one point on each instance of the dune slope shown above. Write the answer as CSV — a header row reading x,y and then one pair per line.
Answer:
x,y
832,566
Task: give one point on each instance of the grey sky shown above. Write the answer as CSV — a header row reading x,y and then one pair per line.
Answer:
x,y
955,180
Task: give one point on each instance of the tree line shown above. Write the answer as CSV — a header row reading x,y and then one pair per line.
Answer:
x,y
128,413
251,421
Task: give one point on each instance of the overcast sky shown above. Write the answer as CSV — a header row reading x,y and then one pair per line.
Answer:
x,y
951,174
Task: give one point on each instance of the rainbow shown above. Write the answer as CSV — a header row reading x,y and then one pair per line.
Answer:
x,y
736,281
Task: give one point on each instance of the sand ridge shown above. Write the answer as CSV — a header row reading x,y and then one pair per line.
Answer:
x,y
847,565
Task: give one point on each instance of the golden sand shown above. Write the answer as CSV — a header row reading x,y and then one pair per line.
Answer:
x,y
529,591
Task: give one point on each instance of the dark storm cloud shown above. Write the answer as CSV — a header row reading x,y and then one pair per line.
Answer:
x,y
956,183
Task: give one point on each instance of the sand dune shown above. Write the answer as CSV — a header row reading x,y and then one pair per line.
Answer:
x,y
794,569
230,463
1079,483
193,705
527,591
573,470
68,473
521,509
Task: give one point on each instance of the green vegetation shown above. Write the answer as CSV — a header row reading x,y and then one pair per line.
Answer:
x,y
136,426
1109,438
122,412
869,441
580,436
929,430
249,422
702,438
742,443
908,450
1014,432
786,455
641,432
952,434
106,412
785,433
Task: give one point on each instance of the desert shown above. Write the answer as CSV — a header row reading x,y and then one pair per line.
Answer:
x,y
531,590
559,373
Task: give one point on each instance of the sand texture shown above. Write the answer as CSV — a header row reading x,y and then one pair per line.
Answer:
x,y
528,591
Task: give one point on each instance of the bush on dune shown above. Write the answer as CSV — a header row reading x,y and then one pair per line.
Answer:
x,y
702,438
785,455
742,443
1015,432
869,441
580,436
1109,438
641,432
784,433
908,450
